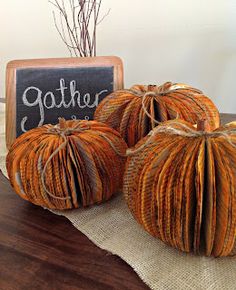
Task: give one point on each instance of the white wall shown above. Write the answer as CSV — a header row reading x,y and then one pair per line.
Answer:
x,y
191,41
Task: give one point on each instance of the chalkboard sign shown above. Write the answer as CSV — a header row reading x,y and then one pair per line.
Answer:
x,y
41,91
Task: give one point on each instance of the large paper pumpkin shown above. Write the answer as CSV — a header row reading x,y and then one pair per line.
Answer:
x,y
74,164
133,112
180,185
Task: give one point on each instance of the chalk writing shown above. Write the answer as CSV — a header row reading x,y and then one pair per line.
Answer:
x,y
50,100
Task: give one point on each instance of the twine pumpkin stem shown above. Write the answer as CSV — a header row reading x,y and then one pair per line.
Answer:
x,y
203,125
184,131
164,89
62,123
64,132
150,93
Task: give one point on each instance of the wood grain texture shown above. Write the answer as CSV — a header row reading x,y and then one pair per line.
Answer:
x,y
102,61
227,118
10,106
40,250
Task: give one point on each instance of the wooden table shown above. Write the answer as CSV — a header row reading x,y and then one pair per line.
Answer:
x,y
39,250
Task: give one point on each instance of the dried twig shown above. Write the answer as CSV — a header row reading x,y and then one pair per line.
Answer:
x,y
76,23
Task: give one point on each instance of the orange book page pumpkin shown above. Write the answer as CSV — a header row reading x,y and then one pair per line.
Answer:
x,y
70,165
124,110
180,185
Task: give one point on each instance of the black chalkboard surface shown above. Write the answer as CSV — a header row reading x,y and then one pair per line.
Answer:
x,y
41,91
44,95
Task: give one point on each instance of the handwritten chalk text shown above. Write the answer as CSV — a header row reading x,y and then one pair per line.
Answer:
x,y
49,101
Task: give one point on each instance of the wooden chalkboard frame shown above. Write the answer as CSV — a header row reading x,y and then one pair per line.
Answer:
x,y
53,63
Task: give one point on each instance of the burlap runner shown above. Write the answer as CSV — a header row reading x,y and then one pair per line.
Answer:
x,y
112,228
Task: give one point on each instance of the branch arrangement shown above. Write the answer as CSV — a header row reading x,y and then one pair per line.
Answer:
x,y
76,22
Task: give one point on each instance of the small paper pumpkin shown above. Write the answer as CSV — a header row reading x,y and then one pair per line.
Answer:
x,y
74,164
180,185
136,111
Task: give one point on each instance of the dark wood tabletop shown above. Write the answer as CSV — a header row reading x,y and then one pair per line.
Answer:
x,y
39,250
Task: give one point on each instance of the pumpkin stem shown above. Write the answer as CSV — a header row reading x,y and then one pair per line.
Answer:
x,y
151,88
203,125
62,123
163,89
